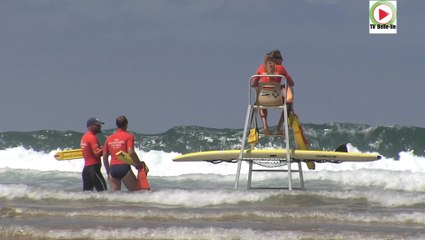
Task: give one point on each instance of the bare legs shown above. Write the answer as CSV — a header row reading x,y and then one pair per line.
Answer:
x,y
129,180
278,131
263,115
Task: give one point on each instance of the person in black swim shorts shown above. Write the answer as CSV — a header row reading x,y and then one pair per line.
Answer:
x,y
117,170
92,177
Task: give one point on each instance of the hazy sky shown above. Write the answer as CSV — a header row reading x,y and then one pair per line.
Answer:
x,y
166,63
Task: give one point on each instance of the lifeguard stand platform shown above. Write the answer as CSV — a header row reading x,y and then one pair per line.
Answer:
x,y
268,96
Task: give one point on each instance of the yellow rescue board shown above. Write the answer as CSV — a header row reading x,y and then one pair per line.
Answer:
x,y
124,157
77,154
69,154
300,139
298,155
72,154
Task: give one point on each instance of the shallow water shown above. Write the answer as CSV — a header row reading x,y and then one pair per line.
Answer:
x,y
41,198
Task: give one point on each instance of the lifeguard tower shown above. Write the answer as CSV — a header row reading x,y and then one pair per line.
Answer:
x,y
268,95
280,158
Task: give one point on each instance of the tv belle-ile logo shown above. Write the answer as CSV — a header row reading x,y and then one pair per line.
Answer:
x,y
383,17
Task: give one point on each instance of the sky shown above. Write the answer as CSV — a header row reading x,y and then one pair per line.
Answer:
x,y
167,63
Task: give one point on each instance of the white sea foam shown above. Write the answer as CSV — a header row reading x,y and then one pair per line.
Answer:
x,y
197,201
161,164
408,173
196,198
219,214
186,198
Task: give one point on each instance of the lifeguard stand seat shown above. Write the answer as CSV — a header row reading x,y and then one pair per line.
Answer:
x,y
269,94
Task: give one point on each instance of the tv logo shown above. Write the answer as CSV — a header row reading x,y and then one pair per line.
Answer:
x,y
382,17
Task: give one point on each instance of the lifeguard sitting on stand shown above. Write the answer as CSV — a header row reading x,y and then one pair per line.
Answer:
x,y
270,67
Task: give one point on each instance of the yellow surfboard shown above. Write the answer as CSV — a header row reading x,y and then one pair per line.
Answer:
x,y
300,139
70,154
263,154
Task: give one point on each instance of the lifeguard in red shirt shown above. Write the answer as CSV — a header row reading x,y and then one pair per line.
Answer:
x,y
272,66
119,171
92,177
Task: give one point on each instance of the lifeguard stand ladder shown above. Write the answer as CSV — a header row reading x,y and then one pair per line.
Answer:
x,y
283,163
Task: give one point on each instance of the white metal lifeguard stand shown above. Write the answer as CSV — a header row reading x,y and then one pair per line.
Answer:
x,y
268,96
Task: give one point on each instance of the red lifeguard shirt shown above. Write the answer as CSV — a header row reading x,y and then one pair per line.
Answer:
x,y
90,148
279,70
119,141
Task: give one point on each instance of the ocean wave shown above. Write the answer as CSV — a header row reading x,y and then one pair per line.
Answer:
x,y
42,198
206,196
389,141
157,214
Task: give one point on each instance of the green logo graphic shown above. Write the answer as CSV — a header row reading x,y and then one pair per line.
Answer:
x,y
379,3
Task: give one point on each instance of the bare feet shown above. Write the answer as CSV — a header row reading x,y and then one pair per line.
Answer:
x,y
267,132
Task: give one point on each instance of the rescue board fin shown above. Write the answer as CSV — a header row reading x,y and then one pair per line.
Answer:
x,y
342,148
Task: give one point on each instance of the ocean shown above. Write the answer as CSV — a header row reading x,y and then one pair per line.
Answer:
x,y
41,198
